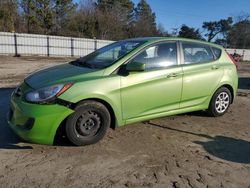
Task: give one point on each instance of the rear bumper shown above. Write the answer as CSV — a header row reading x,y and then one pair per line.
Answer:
x,y
34,122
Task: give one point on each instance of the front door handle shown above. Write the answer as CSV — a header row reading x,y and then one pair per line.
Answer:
x,y
215,67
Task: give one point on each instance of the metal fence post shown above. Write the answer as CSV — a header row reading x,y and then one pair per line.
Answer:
x,y
48,46
15,45
95,44
72,47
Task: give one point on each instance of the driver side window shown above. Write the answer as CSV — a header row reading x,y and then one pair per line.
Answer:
x,y
158,56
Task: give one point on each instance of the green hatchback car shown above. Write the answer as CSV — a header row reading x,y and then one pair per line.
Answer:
x,y
125,82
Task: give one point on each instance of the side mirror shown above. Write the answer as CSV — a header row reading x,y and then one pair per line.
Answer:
x,y
135,66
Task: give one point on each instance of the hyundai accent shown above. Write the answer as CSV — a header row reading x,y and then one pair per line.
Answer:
x,y
125,82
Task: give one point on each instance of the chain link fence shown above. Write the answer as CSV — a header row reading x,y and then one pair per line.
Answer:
x,y
44,45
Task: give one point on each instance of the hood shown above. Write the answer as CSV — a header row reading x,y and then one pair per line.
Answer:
x,y
61,74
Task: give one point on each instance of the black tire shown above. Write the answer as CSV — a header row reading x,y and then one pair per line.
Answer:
x,y
220,102
88,124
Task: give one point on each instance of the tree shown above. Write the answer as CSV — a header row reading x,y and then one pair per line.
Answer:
x,y
83,22
8,15
214,28
62,10
125,5
44,15
104,19
110,13
104,5
239,36
29,14
161,31
222,42
189,32
144,24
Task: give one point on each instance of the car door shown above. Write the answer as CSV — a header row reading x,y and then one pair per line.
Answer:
x,y
158,88
201,73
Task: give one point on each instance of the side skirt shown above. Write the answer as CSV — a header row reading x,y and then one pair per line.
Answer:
x,y
169,113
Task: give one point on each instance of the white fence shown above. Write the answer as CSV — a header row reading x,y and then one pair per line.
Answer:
x,y
45,45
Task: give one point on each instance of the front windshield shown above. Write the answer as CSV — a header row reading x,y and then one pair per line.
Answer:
x,y
107,55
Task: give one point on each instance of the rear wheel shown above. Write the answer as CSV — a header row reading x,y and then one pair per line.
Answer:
x,y
220,102
88,124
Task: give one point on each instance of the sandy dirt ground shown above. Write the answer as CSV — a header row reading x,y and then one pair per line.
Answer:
x,y
190,150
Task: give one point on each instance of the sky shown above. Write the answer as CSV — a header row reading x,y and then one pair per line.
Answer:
x,y
173,13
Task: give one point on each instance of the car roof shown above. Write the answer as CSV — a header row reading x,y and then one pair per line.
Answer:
x,y
160,39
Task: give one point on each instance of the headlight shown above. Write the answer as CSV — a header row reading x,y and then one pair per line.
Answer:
x,y
48,93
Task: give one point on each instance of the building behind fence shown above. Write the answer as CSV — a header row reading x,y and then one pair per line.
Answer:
x,y
54,46
45,45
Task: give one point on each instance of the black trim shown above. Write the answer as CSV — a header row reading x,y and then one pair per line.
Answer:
x,y
64,103
212,49
54,100
28,124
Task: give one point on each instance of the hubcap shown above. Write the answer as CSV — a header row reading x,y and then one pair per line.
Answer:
x,y
88,124
222,102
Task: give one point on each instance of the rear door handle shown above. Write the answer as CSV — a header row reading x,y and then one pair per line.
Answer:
x,y
172,75
215,67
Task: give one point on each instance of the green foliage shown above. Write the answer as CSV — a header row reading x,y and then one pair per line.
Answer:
x,y
29,15
46,16
239,35
214,28
221,41
62,10
83,22
8,15
162,32
113,18
145,21
189,32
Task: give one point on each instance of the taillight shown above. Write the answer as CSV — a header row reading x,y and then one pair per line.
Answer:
x,y
233,60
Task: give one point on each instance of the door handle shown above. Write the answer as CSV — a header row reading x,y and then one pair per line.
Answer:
x,y
215,67
172,75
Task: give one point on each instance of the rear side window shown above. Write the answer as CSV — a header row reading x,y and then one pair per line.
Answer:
x,y
217,52
195,53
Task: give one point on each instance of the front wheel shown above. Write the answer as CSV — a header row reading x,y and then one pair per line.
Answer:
x,y
220,102
88,124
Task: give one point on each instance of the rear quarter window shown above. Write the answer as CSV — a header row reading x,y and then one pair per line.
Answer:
x,y
195,53
217,52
